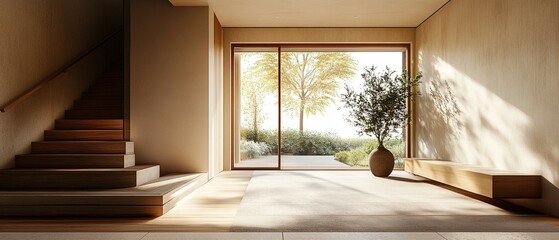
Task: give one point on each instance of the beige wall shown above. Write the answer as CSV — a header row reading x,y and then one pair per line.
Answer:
x,y
490,90
216,98
169,72
36,38
295,35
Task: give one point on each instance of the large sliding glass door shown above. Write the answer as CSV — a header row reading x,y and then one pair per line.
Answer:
x,y
296,89
256,73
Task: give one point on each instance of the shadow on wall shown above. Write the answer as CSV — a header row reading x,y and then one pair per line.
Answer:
x,y
463,120
440,121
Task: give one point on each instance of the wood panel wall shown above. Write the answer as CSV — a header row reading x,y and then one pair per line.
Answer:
x,y
37,38
490,88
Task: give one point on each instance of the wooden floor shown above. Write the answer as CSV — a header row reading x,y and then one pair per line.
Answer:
x,y
321,201
210,208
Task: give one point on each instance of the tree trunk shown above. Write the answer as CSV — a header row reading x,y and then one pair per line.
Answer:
x,y
255,124
301,115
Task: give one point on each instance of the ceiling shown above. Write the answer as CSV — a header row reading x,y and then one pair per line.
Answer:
x,y
319,13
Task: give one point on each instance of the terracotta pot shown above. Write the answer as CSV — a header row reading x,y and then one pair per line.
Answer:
x,y
381,162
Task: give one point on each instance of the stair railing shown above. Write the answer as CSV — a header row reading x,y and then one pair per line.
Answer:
x,y
26,94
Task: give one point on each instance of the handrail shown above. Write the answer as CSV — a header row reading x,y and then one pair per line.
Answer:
x,y
20,98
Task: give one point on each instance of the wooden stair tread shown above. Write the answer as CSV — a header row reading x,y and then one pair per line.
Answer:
x,y
73,155
84,135
102,90
103,93
91,97
93,103
39,170
74,160
158,187
485,181
84,168
151,199
117,88
93,147
77,178
110,80
81,211
97,111
94,114
89,124
120,109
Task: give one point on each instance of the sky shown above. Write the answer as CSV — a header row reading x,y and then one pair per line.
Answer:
x,y
334,117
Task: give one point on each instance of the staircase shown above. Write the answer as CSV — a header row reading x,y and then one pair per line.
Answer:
x,y
85,168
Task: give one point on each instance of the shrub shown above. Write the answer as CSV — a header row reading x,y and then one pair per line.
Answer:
x,y
308,143
353,152
254,149
359,156
261,136
356,157
342,156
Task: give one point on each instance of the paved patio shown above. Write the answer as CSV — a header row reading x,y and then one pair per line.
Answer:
x,y
293,162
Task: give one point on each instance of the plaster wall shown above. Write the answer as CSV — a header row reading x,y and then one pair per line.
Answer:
x,y
169,85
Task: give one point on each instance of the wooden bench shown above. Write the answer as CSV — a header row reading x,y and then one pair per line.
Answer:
x,y
483,181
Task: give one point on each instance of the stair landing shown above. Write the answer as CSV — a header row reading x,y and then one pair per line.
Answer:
x,y
152,199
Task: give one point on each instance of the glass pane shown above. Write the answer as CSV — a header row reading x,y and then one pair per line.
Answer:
x,y
315,133
256,74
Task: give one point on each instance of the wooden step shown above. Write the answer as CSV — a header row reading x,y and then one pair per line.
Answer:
x,y
107,86
105,90
93,103
109,82
89,124
80,211
79,147
115,109
151,199
106,93
114,74
84,135
87,178
75,161
119,79
112,93
99,90
105,98
103,94
94,114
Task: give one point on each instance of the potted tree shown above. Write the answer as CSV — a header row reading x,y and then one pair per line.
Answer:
x,y
379,109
